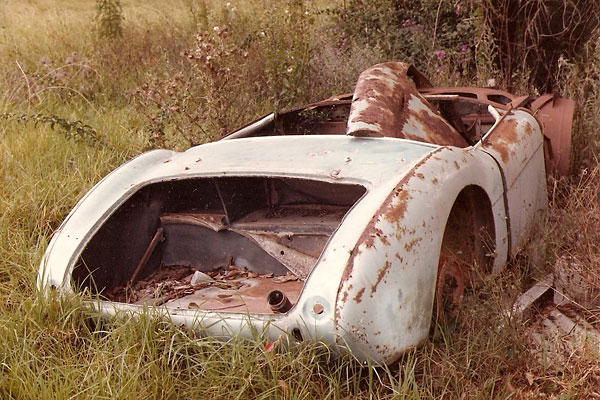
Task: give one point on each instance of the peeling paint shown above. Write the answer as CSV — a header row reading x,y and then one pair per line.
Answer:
x,y
387,103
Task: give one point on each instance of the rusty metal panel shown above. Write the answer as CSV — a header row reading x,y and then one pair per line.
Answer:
x,y
515,142
387,103
556,119
385,297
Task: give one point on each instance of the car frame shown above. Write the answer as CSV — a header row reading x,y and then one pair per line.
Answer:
x,y
400,196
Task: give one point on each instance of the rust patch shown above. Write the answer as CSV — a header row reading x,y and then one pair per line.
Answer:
x,y
420,176
436,129
345,296
409,246
456,165
367,233
384,240
358,297
380,107
370,242
378,103
434,181
395,213
503,138
380,274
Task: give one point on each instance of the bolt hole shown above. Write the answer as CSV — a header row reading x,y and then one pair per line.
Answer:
x,y
282,252
297,334
318,308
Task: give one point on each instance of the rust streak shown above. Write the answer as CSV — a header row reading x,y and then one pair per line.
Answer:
x,y
380,274
345,296
409,246
366,234
358,297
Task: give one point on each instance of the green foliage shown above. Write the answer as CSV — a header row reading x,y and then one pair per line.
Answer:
x,y
220,85
199,13
74,130
431,35
109,18
579,79
201,101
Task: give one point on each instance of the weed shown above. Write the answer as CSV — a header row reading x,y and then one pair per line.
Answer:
x,y
109,18
435,36
75,130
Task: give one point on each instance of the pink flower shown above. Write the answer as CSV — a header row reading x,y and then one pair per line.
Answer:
x,y
440,54
343,43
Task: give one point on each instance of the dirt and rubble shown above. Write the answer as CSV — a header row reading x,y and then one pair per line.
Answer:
x,y
171,284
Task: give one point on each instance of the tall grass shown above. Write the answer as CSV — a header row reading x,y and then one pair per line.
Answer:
x,y
274,55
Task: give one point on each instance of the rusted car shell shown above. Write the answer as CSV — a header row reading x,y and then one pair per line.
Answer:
x,y
372,289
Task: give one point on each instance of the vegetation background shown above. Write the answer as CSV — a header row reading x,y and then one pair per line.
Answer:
x,y
87,85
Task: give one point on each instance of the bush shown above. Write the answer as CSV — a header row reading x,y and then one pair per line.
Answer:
x,y
434,36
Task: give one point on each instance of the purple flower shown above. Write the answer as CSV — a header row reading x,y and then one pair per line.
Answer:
x,y
343,43
440,54
463,48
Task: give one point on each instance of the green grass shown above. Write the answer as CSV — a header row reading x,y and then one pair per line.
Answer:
x,y
54,66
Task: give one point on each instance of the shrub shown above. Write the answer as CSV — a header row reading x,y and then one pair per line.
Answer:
x,y
109,16
431,35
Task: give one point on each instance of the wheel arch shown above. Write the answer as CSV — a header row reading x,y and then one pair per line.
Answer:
x,y
469,233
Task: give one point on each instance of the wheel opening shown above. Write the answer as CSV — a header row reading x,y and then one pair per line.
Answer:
x,y
467,252
469,236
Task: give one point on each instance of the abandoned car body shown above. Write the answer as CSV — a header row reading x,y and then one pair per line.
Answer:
x,y
352,221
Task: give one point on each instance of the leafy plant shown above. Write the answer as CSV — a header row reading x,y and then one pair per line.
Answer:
x,y
71,129
109,18
428,34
